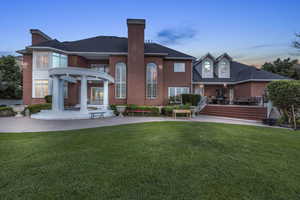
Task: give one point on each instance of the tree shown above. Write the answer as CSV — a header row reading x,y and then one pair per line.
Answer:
x,y
285,67
297,43
285,95
10,78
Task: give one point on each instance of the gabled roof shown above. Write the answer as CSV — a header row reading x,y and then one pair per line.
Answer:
x,y
109,44
238,73
224,55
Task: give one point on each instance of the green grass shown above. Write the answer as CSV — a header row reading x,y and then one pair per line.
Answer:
x,y
160,160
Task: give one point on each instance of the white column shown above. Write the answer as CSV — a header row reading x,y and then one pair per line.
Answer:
x,y
83,94
55,94
61,95
105,94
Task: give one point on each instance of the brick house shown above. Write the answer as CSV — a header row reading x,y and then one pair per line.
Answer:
x,y
137,72
143,72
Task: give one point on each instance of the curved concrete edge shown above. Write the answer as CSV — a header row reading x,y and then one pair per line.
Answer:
x,y
26,124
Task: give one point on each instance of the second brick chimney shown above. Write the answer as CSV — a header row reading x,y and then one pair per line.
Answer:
x,y
136,64
38,36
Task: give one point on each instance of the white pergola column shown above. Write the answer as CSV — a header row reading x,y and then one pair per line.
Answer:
x,y
105,94
61,94
83,94
55,94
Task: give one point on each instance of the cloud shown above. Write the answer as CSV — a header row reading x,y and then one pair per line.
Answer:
x,y
176,35
261,46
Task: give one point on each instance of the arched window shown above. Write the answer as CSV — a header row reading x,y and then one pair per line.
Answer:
x,y
151,81
224,69
207,69
120,81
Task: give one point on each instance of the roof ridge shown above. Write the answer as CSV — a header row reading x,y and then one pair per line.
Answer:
x,y
99,36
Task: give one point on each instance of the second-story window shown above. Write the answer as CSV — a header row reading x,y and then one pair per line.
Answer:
x,y
151,81
179,67
207,69
120,81
224,69
59,60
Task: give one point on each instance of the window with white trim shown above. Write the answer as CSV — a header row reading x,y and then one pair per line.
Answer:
x,y
120,81
224,69
174,93
179,67
207,69
41,88
41,60
151,81
59,60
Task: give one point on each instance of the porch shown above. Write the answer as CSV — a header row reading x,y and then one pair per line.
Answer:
x,y
230,94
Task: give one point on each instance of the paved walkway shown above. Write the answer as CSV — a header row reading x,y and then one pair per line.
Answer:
x,y
26,124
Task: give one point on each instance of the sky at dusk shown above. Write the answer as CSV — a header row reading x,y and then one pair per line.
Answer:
x,y
251,31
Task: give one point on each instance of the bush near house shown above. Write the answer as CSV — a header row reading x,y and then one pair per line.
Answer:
x,y
48,99
6,112
285,95
168,110
152,110
35,108
192,99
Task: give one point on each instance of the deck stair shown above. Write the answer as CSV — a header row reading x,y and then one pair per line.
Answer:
x,y
235,111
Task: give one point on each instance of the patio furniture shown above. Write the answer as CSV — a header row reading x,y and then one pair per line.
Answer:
x,y
94,115
242,100
187,112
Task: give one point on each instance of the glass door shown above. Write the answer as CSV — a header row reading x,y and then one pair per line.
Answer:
x,y
96,96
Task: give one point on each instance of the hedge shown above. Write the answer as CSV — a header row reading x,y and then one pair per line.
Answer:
x,y
192,99
6,112
35,108
168,110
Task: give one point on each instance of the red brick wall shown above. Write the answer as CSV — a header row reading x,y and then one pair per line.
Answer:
x,y
258,88
210,90
250,89
176,79
37,38
27,79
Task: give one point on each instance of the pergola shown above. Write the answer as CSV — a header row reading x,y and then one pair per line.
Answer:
x,y
73,74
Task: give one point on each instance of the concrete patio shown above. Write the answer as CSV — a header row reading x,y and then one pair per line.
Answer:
x,y
26,124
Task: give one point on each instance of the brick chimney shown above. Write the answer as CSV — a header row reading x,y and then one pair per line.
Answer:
x,y
136,64
38,36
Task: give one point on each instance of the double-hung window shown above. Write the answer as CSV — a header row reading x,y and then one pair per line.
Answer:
x,y
175,93
59,60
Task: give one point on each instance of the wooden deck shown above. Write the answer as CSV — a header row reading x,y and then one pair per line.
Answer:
x,y
236,111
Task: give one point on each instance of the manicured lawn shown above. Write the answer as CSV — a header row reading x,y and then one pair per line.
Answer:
x,y
161,160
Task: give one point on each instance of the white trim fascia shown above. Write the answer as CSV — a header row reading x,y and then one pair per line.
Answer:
x,y
180,58
237,82
102,53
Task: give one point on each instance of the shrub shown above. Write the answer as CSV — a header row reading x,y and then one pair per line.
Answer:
x,y
192,99
6,112
35,108
48,98
154,110
168,110
285,94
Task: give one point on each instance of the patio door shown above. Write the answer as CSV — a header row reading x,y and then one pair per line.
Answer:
x,y
96,96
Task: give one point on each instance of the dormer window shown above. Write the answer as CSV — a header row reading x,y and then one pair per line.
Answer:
x,y
224,69
207,69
